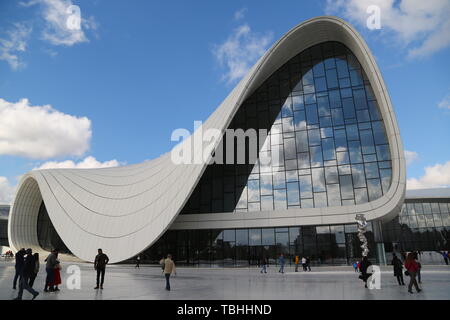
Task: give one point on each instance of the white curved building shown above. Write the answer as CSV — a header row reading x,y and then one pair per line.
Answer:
x,y
320,94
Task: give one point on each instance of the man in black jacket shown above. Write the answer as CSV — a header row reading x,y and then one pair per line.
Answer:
x,y
365,263
101,260
19,266
27,271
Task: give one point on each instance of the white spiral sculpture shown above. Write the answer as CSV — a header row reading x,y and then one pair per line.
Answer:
x,y
362,228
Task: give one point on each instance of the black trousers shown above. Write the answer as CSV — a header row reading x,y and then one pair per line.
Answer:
x,y
49,278
16,277
100,272
32,278
167,280
400,279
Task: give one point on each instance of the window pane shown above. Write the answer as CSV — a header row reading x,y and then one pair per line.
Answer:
x,y
318,178
371,170
328,149
301,138
293,193
359,179
299,120
314,137
334,195
346,185
316,156
367,141
305,187
297,103
331,175
280,199
242,237
320,200
266,184
374,189
289,149
279,181
266,203
268,237
253,190
303,160
311,114
255,237
332,80
355,152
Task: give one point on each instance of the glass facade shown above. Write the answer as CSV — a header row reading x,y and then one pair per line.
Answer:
x,y
423,224
336,244
48,238
326,143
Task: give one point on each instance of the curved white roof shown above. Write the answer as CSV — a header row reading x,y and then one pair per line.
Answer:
x,y
126,209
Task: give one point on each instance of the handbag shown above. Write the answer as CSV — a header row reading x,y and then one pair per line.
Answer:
x,y
406,273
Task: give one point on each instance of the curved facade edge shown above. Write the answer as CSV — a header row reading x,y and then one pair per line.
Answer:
x,y
124,210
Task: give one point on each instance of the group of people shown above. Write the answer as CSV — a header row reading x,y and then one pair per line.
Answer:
x,y
305,261
8,255
411,264
27,268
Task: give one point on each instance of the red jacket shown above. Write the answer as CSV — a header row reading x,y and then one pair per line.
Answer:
x,y
411,266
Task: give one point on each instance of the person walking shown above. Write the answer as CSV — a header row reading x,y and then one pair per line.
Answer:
x,y
398,269
282,262
355,266
56,276
169,268
27,271
304,263
138,261
297,261
417,255
35,271
412,267
161,263
263,265
51,262
364,265
20,260
100,262
308,263
445,256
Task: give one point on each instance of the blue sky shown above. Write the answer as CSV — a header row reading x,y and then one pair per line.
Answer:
x,y
113,91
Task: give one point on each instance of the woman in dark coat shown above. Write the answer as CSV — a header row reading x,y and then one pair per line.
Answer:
x,y
398,270
365,263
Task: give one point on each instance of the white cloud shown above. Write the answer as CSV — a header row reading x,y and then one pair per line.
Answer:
x,y
87,163
437,176
6,191
411,156
56,14
240,14
445,102
14,43
423,27
41,132
240,51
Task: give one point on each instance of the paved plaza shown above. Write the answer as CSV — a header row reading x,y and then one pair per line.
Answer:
x,y
126,282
